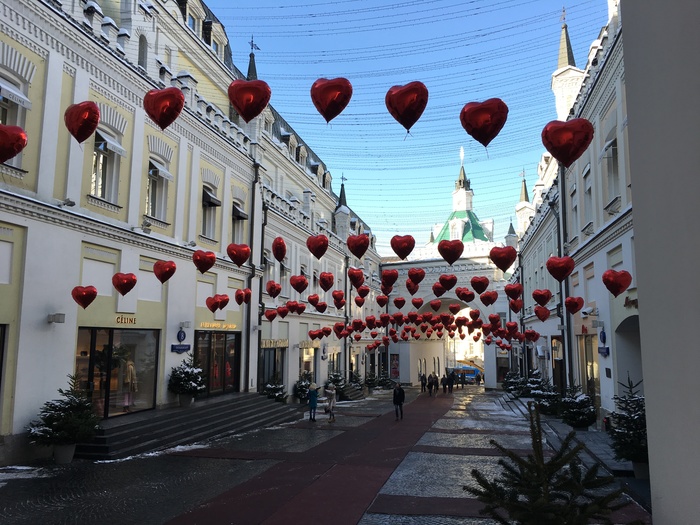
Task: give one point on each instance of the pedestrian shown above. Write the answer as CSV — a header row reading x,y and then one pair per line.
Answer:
x,y
430,385
313,400
330,394
443,382
477,378
463,379
436,383
451,382
399,398
423,382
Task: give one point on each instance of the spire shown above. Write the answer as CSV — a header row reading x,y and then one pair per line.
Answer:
x,y
462,180
566,53
252,70
342,200
523,190
511,230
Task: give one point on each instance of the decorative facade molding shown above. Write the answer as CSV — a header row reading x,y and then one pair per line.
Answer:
x,y
158,146
13,60
112,118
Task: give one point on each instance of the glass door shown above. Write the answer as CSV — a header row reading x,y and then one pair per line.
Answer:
x,y
218,355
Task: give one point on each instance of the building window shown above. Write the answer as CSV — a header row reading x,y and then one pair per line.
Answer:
x,y
284,278
13,103
209,205
143,52
215,47
157,190
238,217
613,175
192,23
105,167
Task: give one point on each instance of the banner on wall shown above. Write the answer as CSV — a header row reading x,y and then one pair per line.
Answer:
x,y
394,366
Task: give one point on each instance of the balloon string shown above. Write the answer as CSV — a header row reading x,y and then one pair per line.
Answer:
x,y
408,132
487,152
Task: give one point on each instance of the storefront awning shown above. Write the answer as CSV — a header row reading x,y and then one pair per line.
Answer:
x,y
159,170
109,143
13,94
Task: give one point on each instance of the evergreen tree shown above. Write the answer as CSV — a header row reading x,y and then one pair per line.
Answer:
x,y
629,425
534,490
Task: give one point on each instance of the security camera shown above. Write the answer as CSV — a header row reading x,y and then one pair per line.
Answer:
x,y
585,312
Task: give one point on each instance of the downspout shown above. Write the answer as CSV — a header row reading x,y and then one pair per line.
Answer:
x,y
347,317
251,276
564,286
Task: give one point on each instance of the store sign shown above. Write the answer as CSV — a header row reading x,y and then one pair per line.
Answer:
x,y
122,319
309,344
217,326
274,343
179,349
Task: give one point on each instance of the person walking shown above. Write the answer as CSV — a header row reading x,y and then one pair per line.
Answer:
x,y
443,382
430,385
399,398
451,381
477,379
423,382
330,394
313,400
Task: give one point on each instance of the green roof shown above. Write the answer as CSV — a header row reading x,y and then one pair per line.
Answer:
x,y
472,229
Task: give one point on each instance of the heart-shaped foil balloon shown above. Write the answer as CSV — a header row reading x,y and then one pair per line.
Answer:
x,y
455,308
484,120
503,257
13,140
358,244
474,314
282,311
313,299
321,306
416,275
299,282
495,320
417,302
273,289
480,283
239,253
339,304
516,305
338,295
164,105
279,249
617,281
363,290
124,282
402,245
573,304
465,294
300,308
247,294
212,303
203,260
451,251
399,302
359,301
389,277
560,267
325,281
514,291
270,315
317,245
448,280
223,300
542,313
84,295
331,96
82,119
407,103
438,289
488,298
411,287
435,304
541,297
386,290
164,270
239,297
567,141
249,97
356,276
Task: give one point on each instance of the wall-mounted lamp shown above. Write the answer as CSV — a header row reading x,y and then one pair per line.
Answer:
x,y
185,324
66,202
56,318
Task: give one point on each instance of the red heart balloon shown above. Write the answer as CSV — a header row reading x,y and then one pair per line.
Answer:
x,y
411,287
417,302
416,275
124,282
239,253
438,289
476,336
474,314
567,141
356,276
407,103
13,140
223,300
389,277
212,303
455,308
331,96
273,289
299,282
371,321
495,320
338,295
325,281
484,120
84,295
435,304
270,315
164,105
617,282
326,331
282,311
542,313
451,251
363,290
359,301
239,296
249,97
573,304
203,260
399,302
339,304
516,305
480,283
300,308
560,267
542,297
358,244
382,300
317,245
448,280
386,290
313,299
514,291
503,257
402,245
465,294
82,119
488,298
321,307
164,270
247,294
279,249
512,327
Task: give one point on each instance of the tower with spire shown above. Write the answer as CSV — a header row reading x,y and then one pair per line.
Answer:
x,y
567,79
524,209
462,195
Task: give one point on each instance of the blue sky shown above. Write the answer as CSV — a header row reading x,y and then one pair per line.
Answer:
x,y
462,50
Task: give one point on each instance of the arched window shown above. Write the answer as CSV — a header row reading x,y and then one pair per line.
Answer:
x,y
143,52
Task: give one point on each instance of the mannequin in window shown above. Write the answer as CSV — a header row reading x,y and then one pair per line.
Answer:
x,y
130,385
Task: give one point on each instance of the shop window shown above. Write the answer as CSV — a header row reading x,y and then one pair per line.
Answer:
x,y
218,354
105,167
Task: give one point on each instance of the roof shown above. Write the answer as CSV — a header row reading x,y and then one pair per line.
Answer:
x,y
566,53
473,231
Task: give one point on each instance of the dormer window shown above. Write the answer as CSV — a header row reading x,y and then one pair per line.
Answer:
x,y
215,47
192,23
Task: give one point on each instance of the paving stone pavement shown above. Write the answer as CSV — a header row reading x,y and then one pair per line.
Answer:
x,y
366,468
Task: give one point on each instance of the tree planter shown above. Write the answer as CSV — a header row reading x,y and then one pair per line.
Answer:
x,y
63,454
186,400
641,470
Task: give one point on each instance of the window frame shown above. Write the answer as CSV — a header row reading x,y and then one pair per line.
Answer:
x,y
210,203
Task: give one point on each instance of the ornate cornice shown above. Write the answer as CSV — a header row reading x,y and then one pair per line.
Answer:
x,y
605,237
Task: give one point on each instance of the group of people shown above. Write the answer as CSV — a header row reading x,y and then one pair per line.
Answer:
x,y
447,382
399,397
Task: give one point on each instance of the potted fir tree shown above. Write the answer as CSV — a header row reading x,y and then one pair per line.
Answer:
x,y
186,381
577,409
301,387
629,428
371,381
65,422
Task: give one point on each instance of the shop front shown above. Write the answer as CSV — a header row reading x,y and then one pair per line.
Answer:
x,y
272,365
307,358
218,354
